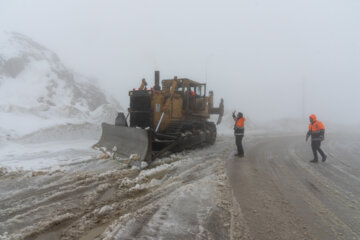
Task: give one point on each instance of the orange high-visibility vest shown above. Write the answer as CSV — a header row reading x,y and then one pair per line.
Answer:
x,y
316,127
240,123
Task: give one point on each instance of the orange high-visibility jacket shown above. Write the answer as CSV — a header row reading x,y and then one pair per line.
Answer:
x,y
239,126
316,129
240,122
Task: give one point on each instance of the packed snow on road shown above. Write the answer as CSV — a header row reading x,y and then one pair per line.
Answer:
x,y
65,190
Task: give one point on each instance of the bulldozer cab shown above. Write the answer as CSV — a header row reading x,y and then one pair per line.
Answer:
x,y
198,101
193,94
195,97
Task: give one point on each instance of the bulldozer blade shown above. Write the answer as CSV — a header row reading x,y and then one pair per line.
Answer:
x,y
126,141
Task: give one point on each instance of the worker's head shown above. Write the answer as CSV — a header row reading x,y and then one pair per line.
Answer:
x,y
239,115
312,118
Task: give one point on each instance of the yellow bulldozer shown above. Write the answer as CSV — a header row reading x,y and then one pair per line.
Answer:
x,y
163,119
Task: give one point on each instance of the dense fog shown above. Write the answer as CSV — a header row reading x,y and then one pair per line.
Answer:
x,y
268,59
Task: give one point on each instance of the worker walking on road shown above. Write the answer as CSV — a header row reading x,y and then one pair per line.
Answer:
x,y
317,133
239,132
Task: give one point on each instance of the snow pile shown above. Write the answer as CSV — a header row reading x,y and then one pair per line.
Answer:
x,y
37,91
154,174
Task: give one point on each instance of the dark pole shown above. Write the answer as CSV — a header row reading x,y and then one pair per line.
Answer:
x,y
157,81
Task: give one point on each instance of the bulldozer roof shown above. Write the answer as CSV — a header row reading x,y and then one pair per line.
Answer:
x,y
167,82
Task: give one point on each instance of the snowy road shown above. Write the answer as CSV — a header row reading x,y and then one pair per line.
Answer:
x,y
283,196
184,196
272,193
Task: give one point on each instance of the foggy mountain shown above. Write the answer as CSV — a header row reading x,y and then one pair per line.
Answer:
x,y
37,91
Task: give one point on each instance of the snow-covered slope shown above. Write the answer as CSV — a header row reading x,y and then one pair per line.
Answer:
x,y
37,91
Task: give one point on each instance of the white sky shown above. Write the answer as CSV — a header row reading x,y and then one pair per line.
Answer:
x,y
258,55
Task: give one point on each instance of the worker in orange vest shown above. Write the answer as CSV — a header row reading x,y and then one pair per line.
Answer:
x,y
239,132
317,133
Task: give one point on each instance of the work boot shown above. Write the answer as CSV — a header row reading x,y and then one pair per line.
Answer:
x,y
314,161
324,158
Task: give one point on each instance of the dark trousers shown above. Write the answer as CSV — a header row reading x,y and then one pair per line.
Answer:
x,y
315,145
239,145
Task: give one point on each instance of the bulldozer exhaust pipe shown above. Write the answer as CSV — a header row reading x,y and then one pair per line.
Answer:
x,y
157,81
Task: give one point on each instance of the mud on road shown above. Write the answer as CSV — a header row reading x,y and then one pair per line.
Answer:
x,y
184,196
